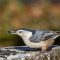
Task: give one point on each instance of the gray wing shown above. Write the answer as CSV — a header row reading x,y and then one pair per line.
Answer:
x,y
43,35
51,34
37,37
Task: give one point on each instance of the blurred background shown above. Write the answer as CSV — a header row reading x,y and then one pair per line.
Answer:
x,y
34,14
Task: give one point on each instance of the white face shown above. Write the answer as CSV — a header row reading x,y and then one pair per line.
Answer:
x,y
24,33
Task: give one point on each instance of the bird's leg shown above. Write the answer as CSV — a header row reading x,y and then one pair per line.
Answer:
x,y
44,49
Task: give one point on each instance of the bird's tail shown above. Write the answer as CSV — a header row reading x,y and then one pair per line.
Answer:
x,y
57,34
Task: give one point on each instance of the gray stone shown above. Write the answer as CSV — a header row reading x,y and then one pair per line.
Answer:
x,y
26,53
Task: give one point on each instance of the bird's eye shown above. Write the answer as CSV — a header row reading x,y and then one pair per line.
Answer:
x,y
20,31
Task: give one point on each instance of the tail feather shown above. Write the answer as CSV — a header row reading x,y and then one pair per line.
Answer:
x,y
53,35
57,34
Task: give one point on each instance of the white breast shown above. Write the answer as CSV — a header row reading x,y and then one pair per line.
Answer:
x,y
40,44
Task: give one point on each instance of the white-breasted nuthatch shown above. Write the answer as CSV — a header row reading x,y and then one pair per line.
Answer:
x,y
37,38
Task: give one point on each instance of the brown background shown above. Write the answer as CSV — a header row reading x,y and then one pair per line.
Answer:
x,y
34,14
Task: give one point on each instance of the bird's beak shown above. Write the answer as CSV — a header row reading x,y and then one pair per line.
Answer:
x,y
12,32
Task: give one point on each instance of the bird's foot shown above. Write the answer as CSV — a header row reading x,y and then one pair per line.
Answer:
x,y
43,51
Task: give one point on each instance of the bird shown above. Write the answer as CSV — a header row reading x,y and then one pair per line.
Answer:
x,y
41,39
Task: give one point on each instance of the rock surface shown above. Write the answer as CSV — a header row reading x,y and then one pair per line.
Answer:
x,y
26,53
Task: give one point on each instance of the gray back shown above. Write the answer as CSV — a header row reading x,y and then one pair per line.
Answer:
x,y
37,37
42,35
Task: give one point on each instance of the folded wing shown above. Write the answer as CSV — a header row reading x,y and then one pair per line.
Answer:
x,y
44,35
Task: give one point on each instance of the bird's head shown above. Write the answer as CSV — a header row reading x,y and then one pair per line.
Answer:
x,y
22,33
